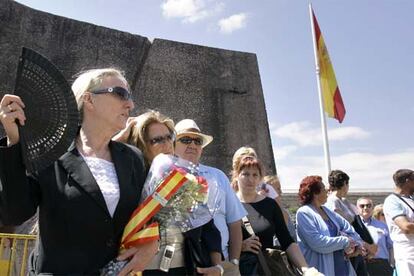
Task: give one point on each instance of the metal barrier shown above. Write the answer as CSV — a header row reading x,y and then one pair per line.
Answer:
x,y
14,253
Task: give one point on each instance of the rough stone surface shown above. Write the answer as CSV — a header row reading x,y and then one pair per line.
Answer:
x,y
219,89
71,45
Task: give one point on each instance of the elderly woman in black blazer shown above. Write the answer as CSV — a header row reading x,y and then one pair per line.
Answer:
x,y
87,196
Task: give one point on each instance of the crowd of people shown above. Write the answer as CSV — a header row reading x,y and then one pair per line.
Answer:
x,y
83,201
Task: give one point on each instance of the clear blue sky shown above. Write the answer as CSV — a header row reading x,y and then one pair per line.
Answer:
x,y
371,45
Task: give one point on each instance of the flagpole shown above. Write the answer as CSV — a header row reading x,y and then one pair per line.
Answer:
x,y
321,108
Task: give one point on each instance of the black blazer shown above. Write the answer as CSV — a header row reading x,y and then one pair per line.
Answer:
x,y
77,234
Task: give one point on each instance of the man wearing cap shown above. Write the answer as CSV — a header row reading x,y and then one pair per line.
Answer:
x,y
399,214
189,146
380,263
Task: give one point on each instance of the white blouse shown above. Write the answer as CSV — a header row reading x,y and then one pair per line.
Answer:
x,y
105,175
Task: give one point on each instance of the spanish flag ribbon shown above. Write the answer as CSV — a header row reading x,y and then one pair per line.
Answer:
x,y
136,232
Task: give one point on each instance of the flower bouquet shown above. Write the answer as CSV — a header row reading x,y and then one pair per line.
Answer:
x,y
174,195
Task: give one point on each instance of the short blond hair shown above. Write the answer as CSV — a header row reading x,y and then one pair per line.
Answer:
x,y
270,179
91,80
378,210
246,150
139,132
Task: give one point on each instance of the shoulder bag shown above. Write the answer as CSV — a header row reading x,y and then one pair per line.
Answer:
x,y
272,261
362,230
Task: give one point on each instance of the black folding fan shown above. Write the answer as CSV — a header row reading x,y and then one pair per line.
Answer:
x,y
52,117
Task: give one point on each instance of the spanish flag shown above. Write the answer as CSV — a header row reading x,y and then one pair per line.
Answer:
x,y
332,99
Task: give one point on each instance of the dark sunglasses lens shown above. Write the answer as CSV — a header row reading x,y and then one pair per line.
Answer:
x,y
198,141
156,140
122,93
161,139
188,140
185,140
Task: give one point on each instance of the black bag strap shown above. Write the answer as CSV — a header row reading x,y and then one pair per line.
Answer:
x,y
260,256
400,197
362,230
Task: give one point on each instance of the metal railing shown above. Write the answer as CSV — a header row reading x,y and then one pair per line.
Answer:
x,y
14,253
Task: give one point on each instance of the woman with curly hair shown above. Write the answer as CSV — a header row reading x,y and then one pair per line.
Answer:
x,y
326,239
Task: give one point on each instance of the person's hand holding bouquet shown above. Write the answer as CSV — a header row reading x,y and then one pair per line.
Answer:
x,y
174,194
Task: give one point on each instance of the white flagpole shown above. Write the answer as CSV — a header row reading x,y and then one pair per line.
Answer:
x,y
322,110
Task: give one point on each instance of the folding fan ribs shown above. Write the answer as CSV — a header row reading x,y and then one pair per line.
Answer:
x,y
52,117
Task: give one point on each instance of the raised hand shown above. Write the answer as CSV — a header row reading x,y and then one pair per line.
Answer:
x,y
123,135
11,112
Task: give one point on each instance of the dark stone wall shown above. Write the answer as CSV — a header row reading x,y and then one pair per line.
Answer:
x,y
71,45
219,89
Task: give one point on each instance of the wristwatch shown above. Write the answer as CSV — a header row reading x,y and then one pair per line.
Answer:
x,y
235,261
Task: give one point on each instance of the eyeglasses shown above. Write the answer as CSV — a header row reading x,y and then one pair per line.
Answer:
x,y
121,92
381,214
362,206
187,140
161,139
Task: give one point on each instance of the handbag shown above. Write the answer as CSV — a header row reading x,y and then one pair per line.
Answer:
x,y
249,264
195,251
271,261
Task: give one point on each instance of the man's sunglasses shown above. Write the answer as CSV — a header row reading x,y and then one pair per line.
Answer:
x,y
362,206
121,92
187,140
161,139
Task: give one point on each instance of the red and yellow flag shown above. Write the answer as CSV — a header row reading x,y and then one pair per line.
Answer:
x,y
332,99
136,231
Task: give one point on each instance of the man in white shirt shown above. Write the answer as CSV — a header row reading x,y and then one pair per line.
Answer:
x,y
399,215
189,146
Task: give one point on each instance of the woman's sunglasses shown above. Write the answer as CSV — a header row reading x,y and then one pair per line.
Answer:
x,y
161,139
121,92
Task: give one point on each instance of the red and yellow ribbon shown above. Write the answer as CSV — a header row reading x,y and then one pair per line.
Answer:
x,y
135,231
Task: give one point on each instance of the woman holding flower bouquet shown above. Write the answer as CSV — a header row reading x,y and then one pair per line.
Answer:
x,y
265,217
153,133
86,198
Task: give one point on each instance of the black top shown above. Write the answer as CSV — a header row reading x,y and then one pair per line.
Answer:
x,y
269,210
77,235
